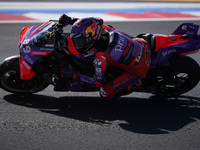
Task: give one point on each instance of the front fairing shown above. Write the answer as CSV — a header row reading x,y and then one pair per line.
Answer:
x,y
33,45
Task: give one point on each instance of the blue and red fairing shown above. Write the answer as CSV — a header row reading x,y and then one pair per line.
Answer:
x,y
30,52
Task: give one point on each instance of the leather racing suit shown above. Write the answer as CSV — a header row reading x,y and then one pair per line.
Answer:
x,y
119,51
131,57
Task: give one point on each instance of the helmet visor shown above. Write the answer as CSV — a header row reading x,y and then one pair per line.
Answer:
x,y
78,41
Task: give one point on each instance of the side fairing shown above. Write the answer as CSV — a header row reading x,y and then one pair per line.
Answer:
x,y
170,45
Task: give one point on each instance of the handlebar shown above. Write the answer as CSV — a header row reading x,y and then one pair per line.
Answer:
x,y
58,28
59,38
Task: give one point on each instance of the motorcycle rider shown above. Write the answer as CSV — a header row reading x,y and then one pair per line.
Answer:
x,y
113,50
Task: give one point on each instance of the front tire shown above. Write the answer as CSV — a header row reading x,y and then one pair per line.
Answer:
x,y
10,79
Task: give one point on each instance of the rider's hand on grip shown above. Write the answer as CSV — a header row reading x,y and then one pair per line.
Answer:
x,y
64,20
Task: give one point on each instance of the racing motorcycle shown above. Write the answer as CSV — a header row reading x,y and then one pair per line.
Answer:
x,y
44,59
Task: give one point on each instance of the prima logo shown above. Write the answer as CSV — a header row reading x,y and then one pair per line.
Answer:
x,y
169,52
120,43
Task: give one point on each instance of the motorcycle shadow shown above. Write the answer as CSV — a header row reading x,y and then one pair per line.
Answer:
x,y
153,115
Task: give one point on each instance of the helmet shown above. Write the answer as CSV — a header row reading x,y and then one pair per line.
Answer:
x,y
86,32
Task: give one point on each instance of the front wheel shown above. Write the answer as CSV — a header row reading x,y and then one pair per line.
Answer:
x,y
10,79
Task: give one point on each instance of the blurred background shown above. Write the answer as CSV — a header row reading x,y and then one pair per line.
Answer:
x,y
77,120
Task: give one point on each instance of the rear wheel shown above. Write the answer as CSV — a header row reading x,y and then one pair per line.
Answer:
x,y
10,79
179,77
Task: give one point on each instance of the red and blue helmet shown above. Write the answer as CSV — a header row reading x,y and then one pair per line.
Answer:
x,y
86,32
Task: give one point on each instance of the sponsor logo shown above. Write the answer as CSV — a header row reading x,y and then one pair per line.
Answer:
x,y
98,73
41,53
169,52
120,43
184,27
27,58
49,45
46,49
91,29
26,65
90,53
127,48
97,62
123,82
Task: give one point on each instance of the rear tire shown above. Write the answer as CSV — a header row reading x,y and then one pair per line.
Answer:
x,y
10,79
181,76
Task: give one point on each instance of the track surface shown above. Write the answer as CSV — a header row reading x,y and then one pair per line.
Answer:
x,y
50,120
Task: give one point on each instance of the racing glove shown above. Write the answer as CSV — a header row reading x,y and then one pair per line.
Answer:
x,y
64,20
